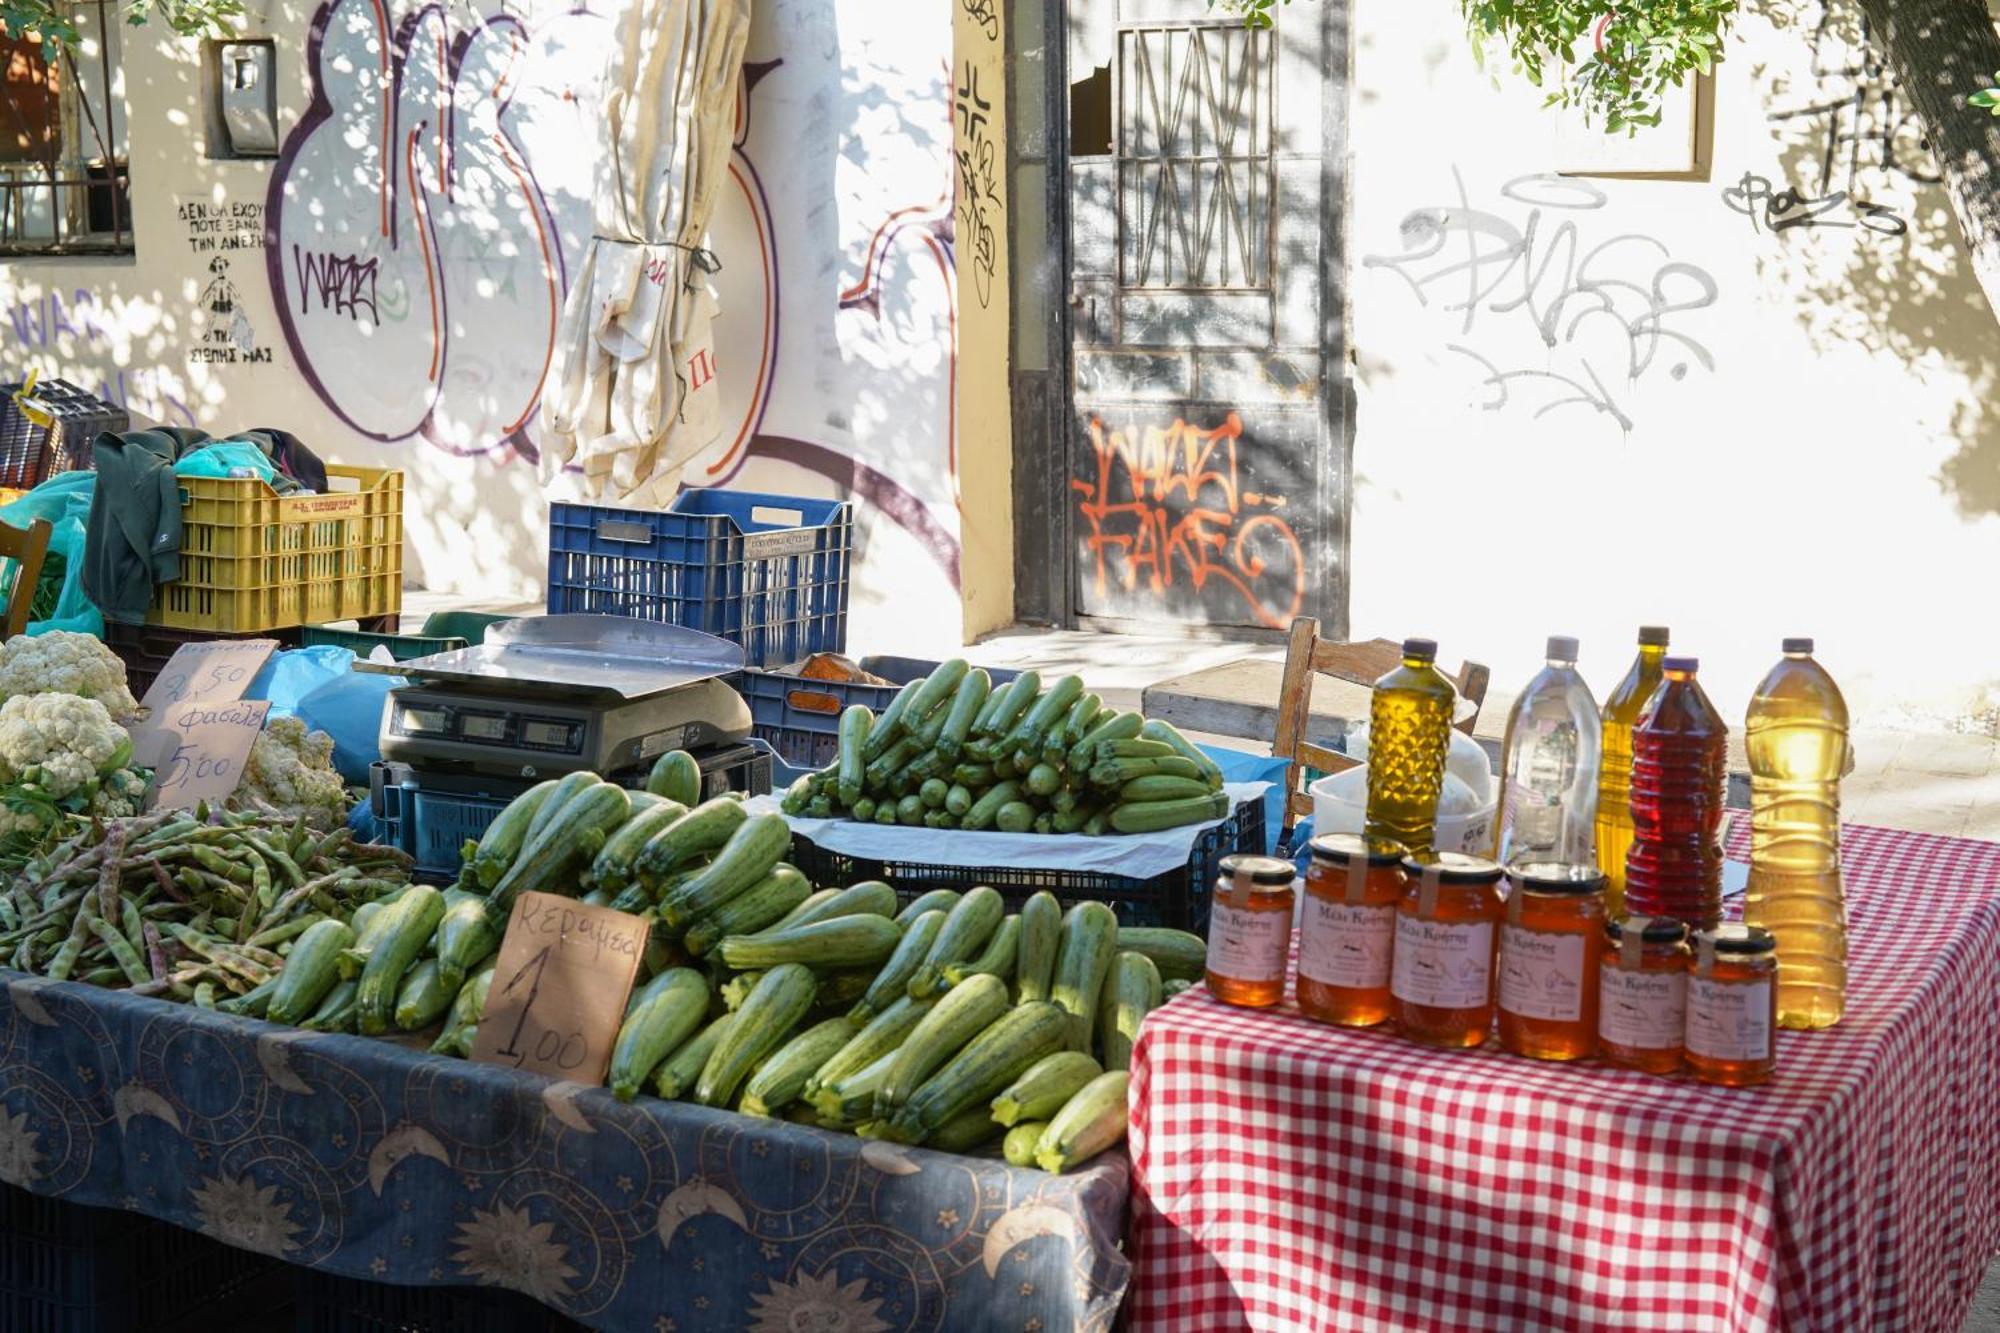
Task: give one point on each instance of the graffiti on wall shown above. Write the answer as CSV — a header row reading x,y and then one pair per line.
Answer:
x,y
75,324
224,336
1611,313
980,204
1168,515
231,224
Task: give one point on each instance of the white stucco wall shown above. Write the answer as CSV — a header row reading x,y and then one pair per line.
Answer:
x,y
418,304
1602,402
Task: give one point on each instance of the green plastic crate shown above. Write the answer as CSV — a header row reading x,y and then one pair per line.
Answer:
x,y
402,647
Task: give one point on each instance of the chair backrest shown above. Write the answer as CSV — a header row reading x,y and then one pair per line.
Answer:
x,y
1308,655
26,548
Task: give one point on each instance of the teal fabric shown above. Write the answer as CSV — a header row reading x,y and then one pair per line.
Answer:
x,y
217,460
64,500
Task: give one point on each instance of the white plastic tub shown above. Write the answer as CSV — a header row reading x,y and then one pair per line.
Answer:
x,y
1340,805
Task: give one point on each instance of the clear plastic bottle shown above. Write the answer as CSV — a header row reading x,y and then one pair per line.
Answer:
x,y
1623,708
1680,758
1409,736
1549,766
1796,736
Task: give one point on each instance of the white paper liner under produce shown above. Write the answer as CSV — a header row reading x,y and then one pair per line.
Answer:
x,y
1137,855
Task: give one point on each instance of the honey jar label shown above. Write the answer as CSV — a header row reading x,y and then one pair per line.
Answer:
x,y
1248,946
1729,1020
1541,974
1443,964
1346,944
1644,1011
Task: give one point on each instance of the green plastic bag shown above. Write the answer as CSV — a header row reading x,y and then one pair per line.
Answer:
x,y
64,500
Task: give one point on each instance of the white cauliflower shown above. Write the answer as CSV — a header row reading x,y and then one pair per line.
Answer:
x,y
59,743
123,793
290,770
64,663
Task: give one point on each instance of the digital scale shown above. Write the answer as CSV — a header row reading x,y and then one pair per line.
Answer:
x,y
548,695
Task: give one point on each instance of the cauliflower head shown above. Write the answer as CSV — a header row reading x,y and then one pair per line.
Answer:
x,y
59,743
64,663
122,793
290,770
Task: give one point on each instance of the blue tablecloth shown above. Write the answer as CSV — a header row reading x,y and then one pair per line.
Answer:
x,y
376,1160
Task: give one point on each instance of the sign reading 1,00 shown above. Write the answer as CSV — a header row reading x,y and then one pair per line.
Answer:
x,y
551,1046
559,987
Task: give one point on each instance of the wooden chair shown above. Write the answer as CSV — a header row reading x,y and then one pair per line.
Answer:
x,y
1358,663
26,548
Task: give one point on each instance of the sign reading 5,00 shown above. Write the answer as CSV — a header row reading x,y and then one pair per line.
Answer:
x,y
205,747
559,987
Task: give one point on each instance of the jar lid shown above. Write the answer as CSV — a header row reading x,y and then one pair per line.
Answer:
x,y
1341,848
1455,868
1738,940
1657,930
1260,869
1556,878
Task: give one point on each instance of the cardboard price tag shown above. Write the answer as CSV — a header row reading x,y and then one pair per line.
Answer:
x,y
206,745
217,672
560,987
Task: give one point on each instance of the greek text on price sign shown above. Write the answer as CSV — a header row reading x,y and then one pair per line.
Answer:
x,y
559,988
205,749
218,671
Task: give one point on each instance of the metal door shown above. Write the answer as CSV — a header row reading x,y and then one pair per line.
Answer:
x,y
1207,455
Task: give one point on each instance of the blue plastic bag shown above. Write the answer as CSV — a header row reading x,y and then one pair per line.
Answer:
x,y
1242,766
320,687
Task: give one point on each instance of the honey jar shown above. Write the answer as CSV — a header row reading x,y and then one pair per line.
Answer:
x,y
1642,994
1732,1006
1347,932
1250,930
1547,967
1441,978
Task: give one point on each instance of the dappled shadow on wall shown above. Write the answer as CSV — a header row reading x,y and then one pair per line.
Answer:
x,y
1859,231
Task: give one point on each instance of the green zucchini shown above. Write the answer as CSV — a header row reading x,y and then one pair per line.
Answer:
x,y
1088,1123
680,1071
936,900
253,1003
1073,820
576,834
894,978
676,776
1031,732
336,1011
777,895
751,853
410,924
888,728
996,959
987,808
1161,787
423,998
855,725
774,1008
966,929
1158,730
967,703
696,833
957,801
503,838
1130,993
883,1035
1088,942
871,897
910,810
568,787
663,1015
1119,773
311,970
933,793
804,912
1045,1087
1111,726
466,1008
1015,817
1021,1141
613,869
850,1099
1152,816
961,1014
737,989
974,777
964,1132
780,1080
839,942
466,937
1014,700
977,1074
1035,959
862,810
1042,780
1178,954
1082,715
935,696
1132,749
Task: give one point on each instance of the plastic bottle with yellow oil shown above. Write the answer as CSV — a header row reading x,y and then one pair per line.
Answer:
x,y
1409,736
1622,710
1796,736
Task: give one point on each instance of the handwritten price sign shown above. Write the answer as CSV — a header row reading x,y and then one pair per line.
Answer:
x,y
560,987
216,672
203,751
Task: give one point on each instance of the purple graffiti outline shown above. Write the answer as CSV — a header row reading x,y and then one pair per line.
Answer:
x,y
319,110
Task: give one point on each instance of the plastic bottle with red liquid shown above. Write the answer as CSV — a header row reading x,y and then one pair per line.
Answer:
x,y
1680,758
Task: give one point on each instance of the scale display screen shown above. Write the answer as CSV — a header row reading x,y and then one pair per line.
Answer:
x,y
425,721
549,735
482,727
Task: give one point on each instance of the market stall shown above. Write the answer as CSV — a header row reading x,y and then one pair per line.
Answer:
x,y
1288,1174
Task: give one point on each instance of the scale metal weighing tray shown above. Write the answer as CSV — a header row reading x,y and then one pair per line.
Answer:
x,y
547,695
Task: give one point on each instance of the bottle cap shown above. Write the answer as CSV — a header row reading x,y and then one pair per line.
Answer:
x,y
1733,937
1802,645
1562,648
1266,870
1556,878
1653,636
1341,848
1423,649
1687,664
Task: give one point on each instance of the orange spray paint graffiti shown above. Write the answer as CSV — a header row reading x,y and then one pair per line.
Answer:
x,y
1166,507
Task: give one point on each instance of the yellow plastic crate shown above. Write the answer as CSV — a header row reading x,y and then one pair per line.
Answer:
x,y
254,560
8,495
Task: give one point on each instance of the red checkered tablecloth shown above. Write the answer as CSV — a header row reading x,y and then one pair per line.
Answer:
x,y
1292,1176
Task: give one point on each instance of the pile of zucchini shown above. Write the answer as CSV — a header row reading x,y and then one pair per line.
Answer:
x,y
954,751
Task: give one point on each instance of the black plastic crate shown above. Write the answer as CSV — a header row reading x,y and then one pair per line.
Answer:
x,y
1177,898
31,452
432,815
800,718
769,572
328,1303
146,649
67,1268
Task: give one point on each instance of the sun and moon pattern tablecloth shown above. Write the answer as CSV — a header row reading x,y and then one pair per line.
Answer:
x,y
371,1159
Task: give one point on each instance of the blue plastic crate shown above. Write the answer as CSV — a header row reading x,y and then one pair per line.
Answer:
x,y
800,718
769,572
431,815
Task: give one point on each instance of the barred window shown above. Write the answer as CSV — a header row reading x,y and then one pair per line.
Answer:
x,y
64,160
